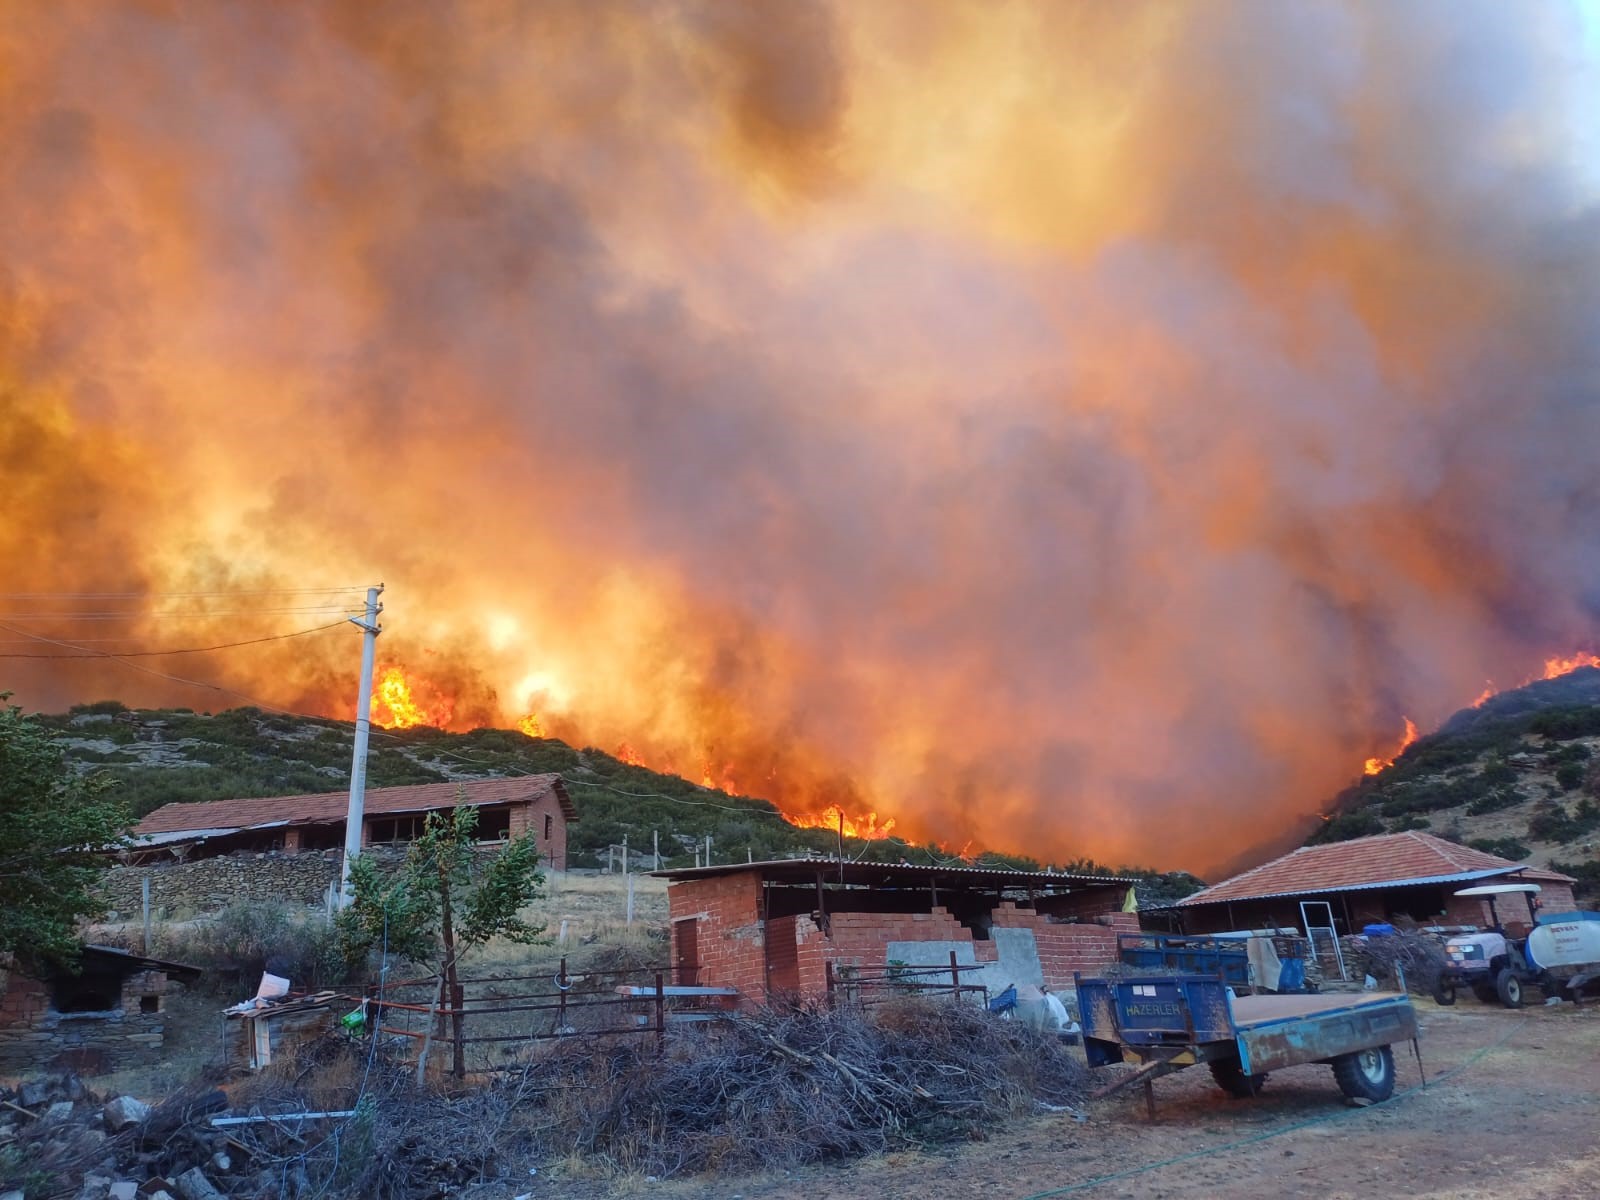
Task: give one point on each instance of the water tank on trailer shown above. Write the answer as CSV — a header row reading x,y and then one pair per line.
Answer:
x,y
1570,942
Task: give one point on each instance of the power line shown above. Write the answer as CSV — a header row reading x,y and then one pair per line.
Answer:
x,y
156,595
141,615
133,666
277,637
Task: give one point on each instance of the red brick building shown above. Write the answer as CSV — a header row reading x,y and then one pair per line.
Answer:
x,y
1366,881
770,928
507,808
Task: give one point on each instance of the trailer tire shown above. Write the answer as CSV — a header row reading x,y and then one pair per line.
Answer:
x,y
1366,1075
1444,992
1509,988
1231,1078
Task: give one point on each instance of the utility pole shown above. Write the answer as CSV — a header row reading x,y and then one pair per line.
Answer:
x,y
354,815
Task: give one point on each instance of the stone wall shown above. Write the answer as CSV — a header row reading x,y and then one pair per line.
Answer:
x,y
206,885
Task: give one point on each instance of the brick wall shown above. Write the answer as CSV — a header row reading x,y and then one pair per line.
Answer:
x,y
732,947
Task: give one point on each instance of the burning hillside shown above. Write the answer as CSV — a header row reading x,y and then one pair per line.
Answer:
x,y
1040,424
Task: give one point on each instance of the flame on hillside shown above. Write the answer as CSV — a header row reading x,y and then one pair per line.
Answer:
x,y
625,753
1374,765
395,703
864,826
1554,668
532,726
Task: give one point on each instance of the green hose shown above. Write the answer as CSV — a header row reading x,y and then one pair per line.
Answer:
x,y
1271,1133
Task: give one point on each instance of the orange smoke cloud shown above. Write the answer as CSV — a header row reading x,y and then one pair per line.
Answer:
x,y
1042,422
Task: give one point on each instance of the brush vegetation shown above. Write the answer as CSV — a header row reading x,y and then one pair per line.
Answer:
x,y
162,756
1518,777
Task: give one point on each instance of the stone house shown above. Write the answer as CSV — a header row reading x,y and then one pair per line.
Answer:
x,y
777,928
107,1015
507,808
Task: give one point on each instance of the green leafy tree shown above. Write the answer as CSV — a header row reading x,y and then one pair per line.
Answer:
x,y
432,910
55,826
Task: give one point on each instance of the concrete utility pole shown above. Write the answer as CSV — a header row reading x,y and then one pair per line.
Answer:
x,y
354,815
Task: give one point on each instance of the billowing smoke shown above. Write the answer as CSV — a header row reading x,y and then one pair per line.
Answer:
x,y
1069,427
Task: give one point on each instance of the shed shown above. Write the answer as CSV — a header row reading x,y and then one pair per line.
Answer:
x,y
1411,875
778,928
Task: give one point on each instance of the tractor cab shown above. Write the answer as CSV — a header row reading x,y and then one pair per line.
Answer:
x,y
1490,963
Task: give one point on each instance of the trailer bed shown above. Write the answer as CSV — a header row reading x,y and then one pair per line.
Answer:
x,y
1166,1023
1261,1010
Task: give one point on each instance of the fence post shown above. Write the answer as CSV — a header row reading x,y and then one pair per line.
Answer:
x,y
561,988
955,976
661,1014
435,1022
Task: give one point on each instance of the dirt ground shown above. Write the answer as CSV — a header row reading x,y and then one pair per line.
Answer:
x,y
1512,1108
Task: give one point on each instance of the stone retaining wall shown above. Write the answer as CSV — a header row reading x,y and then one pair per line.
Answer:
x,y
182,889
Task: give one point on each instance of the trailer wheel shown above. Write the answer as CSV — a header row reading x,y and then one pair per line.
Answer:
x,y
1366,1075
1509,988
1444,992
1231,1078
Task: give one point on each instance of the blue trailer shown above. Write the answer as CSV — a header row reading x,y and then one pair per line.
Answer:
x,y
1168,1022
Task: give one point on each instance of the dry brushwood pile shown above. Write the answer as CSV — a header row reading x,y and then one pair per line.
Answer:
x,y
772,1090
783,1088
1420,955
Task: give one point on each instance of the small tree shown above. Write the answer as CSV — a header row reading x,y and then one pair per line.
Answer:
x,y
55,826
432,912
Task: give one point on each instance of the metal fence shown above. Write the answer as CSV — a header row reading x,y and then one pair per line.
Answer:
x,y
500,1016
850,985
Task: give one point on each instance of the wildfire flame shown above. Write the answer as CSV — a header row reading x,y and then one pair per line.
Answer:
x,y
532,726
395,704
1374,765
627,754
1554,668
864,827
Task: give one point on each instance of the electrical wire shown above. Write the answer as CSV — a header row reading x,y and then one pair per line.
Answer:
x,y
143,670
277,637
154,595
143,615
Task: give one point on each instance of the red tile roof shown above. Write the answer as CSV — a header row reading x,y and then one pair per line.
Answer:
x,y
323,807
1388,858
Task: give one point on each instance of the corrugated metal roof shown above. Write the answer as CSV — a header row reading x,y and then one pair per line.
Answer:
x,y
325,807
1408,859
807,870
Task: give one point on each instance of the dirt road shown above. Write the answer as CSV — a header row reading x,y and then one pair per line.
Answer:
x,y
1512,1109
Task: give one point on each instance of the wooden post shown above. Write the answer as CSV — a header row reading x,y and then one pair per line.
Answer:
x,y
630,898
955,975
144,892
661,1013
435,1021
561,1002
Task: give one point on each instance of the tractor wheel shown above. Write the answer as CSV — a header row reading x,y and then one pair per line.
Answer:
x,y
1366,1075
1509,988
1444,992
1232,1079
